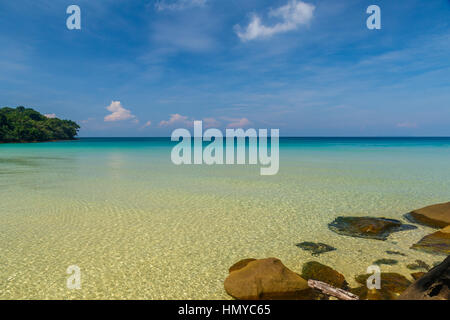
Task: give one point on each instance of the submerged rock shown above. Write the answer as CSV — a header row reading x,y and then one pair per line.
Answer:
x,y
315,248
418,265
317,271
373,294
266,279
434,285
395,253
437,243
392,285
367,227
435,216
394,282
417,275
389,262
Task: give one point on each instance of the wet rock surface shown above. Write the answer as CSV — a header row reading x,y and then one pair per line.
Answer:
x,y
266,279
435,216
317,271
316,248
436,243
434,285
392,285
240,264
367,227
255,279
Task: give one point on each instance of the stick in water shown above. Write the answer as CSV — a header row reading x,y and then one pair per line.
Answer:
x,y
332,291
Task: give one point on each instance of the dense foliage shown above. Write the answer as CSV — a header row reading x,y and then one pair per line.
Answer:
x,y
27,125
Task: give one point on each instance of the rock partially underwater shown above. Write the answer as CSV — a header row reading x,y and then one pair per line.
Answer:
x,y
434,285
266,279
392,285
320,272
436,243
435,216
417,275
367,227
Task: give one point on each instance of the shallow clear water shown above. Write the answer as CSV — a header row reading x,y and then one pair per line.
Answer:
x,y
140,227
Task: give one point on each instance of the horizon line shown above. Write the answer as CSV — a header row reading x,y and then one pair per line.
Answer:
x,y
168,137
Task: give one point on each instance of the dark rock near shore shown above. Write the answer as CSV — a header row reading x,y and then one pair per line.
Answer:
x,y
367,227
392,285
435,216
389,262
317,271
434,285
437,243
315,248
266,279
419,264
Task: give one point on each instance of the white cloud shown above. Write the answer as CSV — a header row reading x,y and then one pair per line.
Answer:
x,y
292,15
175,119
119,113
50,115
238,123
147,124
210,123
178,4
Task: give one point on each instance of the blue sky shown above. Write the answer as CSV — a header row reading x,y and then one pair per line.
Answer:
x,y
311,68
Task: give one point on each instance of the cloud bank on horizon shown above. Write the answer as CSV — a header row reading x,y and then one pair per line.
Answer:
x,y
309,68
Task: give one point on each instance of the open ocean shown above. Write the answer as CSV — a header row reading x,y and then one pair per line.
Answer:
x,y
140,227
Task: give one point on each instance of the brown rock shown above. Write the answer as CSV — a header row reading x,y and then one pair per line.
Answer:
x,y
438,242
317,271
417,275
434,285
367,227
267,279
240,264
373,294
392,284
436,216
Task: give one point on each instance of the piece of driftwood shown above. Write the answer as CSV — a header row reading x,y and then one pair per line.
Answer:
x,y
332,291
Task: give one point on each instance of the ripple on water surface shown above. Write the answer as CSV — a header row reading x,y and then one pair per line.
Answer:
x,y
141,228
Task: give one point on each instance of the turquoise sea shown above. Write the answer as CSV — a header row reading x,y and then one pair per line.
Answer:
x,y
140,227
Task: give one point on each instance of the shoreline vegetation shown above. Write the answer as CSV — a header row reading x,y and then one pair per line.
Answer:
x,y
269,278
25,125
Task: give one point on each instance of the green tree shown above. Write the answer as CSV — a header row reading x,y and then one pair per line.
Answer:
x,y
27,125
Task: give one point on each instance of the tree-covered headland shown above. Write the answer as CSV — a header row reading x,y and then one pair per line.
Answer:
x,y
27,125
